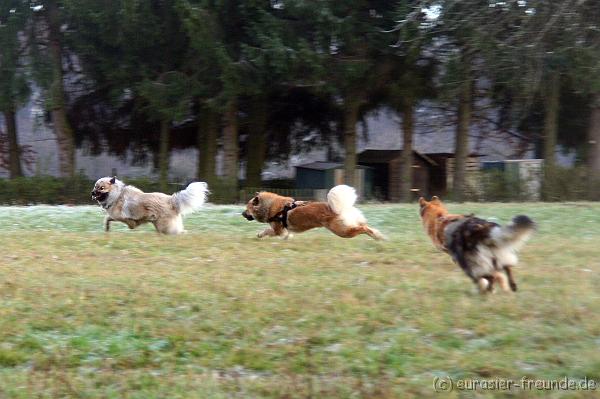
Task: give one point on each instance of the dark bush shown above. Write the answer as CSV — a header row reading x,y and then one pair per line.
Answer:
x,y
45,190
77,190
54,190
565,184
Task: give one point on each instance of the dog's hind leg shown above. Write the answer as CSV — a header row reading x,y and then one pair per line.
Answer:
x,y
374,233
177,225
107,220
501,279
350,232
486,284
511,278
169,225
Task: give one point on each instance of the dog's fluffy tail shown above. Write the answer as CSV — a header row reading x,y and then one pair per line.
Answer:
x,y
191,199
341,200
514,234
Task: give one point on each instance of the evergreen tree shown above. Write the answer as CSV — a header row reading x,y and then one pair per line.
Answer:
x,y
137,50
48,54
14,85
413,71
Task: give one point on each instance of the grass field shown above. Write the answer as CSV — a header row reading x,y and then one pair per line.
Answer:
x,y
217,313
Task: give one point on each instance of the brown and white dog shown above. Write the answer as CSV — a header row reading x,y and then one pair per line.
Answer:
x,y
285,215
132,206
483,249
435,218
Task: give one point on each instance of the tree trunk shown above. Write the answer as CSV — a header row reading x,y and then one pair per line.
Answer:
x,y
230,152
350,120
406,182
461,151
163,155
14,153
593,151
207,145
551,105
62,129
256,147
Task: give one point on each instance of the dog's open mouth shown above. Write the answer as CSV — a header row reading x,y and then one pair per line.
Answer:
x,y
101,197
247,216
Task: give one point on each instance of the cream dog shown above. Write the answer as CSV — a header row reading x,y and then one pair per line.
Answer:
x,y
132,206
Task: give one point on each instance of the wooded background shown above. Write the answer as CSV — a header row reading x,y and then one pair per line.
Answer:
x,y
256,79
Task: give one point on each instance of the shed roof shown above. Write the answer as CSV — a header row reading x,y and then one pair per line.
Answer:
x,y
385,156
323,165
320,165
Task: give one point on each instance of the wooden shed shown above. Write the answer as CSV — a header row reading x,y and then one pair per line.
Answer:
x,y
322,175
388,172
432,173
445,178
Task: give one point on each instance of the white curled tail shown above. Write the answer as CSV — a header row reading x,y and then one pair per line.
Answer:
x,y
514,234
341,200
191,199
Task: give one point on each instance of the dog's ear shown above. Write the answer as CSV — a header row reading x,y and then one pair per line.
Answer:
x,y
113,180
422,201
435,199
255,200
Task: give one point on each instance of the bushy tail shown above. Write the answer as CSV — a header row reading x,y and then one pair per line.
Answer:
x,y
191,199
341,200
514,234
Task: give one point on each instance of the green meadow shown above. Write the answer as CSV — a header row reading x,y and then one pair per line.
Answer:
x,y
217,313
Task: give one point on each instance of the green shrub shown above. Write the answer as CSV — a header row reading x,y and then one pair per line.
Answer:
x,y
45,190
54,190
570,184
77,190
565,184
500,186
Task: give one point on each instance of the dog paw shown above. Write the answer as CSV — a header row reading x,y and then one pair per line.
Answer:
x,y
513,286
377,235
483,285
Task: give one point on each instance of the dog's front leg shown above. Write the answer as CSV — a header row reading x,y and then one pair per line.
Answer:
x,y
287,235
132,224
107,220
276,229
502,281
268,232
